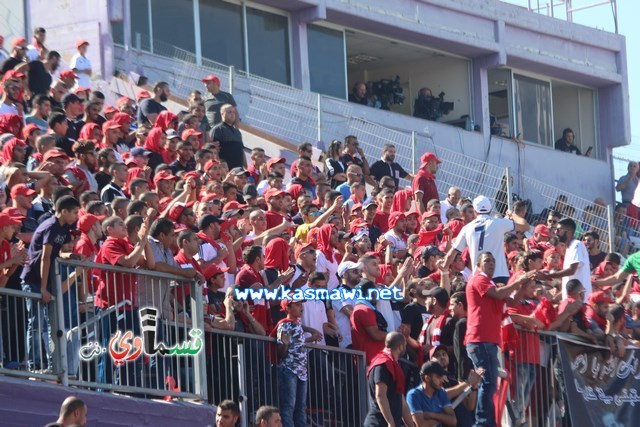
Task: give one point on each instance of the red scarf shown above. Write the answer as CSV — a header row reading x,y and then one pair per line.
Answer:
x,y
209,240
400,200
435,338
276,254
80,176
324,242
386,358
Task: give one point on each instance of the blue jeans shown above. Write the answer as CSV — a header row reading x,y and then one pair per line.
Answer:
x,y
38,332
526,378
293,398
485,355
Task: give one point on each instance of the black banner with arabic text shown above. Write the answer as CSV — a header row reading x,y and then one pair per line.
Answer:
x,y
602,388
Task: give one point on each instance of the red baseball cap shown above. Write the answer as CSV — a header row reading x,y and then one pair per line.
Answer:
x,y
272,161
54,153
19,41
177,209
81,89
213,270
6,220
208,197
272,192
14,75
14,213
109,124
394,217
122,118
68,74
233,205
190,132
22,190
81,43
164,175
86,221
287,302
210,164
211,78
427,157
142,94
599,297
110,109
31,127
429,214
123,100
303,248
542,230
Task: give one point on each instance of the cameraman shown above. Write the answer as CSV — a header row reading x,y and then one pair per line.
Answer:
x,y
423,105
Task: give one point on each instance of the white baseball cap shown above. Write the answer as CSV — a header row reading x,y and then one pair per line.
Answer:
x,y
482,205
348,265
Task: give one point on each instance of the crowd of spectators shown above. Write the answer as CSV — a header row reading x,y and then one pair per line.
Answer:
x,y
136,186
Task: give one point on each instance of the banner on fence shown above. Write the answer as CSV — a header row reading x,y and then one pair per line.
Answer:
x,y
602,388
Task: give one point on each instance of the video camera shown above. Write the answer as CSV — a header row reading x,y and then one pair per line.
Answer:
x,y
431,107
387,92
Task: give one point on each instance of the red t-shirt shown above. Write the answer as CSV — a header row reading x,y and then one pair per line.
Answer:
x,y
85,247
115,287
484,314
273,219
529,343
426,183
5,251
361,318
246,277
381,220
185,262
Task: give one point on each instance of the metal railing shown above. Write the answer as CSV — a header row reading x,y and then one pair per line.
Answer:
x,y
296,116
143,333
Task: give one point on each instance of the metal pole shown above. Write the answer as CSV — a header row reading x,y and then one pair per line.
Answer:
x,y
508,178
319,107
413,152
126,21
242,380
232,82
200,365
196,28
58,330
611,228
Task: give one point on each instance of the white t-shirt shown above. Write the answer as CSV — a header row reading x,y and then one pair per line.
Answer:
x,y
343,321
329,269
314,315
207,253
486,234
8,109
80,62
444,207
577,253
397,243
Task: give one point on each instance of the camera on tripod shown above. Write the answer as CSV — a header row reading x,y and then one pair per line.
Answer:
x,y
431,107
387,92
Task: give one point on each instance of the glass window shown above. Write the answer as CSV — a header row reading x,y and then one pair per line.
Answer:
x,y
500,106
221,32
117,31
268,35
140,24
327,61
533,110
173,25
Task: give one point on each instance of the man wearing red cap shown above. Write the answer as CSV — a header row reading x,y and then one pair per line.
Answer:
x,y
81,65
395,235
68,77
11,255
182,214
424,183
274,165
164,182
21,201
17,55
91,228
275,213
539,240
215,99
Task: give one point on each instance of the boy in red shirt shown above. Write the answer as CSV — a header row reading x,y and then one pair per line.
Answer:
x,y
368,327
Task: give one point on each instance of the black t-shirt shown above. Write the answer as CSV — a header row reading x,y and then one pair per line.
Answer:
x,y
213,104
231,145
176,166
423,271
374,233
414,314
9,64
49,232
464,363
39,78
348,159
380,374
381,169
595,260
149,106
102,178
66,144
73,131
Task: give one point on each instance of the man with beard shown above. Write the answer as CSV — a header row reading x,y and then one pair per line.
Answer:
x,y
215,99
83,167
386,380
388,167
10,100
429,403
576,259
151,107
40,73
17,55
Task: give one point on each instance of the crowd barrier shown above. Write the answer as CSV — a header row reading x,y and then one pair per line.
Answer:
x,y
155,344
